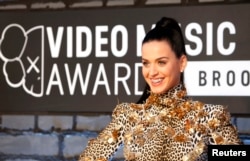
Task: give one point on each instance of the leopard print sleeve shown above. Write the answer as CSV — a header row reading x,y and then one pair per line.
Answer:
x,y
107,142
222,130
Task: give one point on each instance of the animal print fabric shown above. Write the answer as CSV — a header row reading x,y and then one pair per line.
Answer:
x,y
167,127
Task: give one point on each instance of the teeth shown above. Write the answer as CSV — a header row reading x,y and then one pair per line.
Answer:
x,y
156,80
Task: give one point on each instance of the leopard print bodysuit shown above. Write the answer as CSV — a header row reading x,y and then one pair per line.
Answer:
x,y
167,127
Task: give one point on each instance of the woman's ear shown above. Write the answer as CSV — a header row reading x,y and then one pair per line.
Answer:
x,y
183,63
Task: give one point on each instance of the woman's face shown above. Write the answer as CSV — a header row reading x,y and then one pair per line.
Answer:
x,y
161,68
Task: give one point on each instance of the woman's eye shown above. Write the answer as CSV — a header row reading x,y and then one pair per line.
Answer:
x,y
161,62
144,63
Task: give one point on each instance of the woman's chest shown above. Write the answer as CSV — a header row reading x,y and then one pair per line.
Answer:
x,y
156,135
158,142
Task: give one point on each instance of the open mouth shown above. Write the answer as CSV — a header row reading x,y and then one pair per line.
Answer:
x,y
156,81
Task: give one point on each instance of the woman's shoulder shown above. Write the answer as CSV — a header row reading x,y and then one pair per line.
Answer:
x,y
125,108
216,113
215,108
208,107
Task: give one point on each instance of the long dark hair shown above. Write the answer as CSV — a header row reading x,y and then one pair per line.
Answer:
x,y
169,30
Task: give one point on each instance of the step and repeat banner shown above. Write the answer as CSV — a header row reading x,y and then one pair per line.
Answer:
x,y
90,60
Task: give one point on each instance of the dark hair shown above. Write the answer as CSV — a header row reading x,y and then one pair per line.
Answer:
x,y
169,30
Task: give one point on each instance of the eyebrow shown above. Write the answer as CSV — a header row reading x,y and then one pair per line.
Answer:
x,y
158,58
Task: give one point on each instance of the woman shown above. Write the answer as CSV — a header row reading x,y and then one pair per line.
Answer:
x,y
166,124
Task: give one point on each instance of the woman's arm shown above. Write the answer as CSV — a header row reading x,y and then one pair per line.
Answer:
x,y
223,132
107,142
